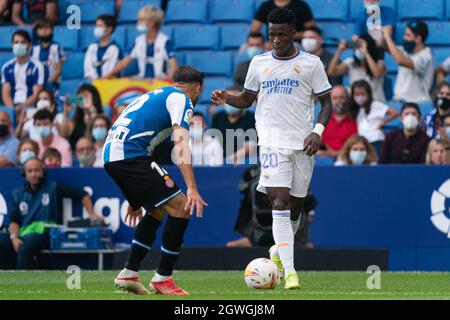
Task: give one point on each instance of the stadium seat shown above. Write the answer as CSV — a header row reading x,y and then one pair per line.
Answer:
x,y
68,39
107,111
447,10
213,83
439,33
6,32
211,63
231,11
129,11
335,31
323,161
132,69
4,57
257,4
425,107
233,35
391,65
357,7
336,10
440,54
132,33
73,67
87,36
186,11
203,109
420,9
69,87
389,85
89,9
239,57
197,37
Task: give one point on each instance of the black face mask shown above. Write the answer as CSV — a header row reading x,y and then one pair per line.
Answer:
x,y
443,104
46,38
4,130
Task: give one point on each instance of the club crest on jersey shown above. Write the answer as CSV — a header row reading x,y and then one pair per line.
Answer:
x,y
296,68
188,115
169,182
23,207
45,199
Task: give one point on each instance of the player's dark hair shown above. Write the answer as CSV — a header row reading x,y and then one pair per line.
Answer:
x,y
188,74
43,114
256,34
354,107
419,28
282,16
410,105
315,29
108,20
21,33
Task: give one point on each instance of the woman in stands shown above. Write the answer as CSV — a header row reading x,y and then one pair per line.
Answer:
x,y
437,153
27,149
357,151
98,130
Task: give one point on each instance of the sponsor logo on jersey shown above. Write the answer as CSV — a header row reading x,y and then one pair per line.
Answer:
x,y
188,115
280,86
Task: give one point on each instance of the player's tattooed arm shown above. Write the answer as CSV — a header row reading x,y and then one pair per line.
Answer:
x,y
312,142
243,99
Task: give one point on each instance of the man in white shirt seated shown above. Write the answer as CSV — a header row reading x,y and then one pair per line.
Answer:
x,y
415,72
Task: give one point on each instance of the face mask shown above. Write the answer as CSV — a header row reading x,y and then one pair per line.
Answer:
x,y
231,110
4,130
253,51
86,160
443,103
447,130
26,155
358,157
309,45
43,104
99,134
359,55
410,122
195,134
142,28
44,131
19,49
99,32
339,107
409,46
361,100
46,38
53,165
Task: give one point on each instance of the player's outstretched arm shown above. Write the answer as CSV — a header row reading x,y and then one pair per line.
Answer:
x,y
181,156
243,99
312,142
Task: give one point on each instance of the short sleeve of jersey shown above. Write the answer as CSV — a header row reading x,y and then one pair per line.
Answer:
x,y
38,76
251,80
319,80
134,52
5,77
180,109
421,61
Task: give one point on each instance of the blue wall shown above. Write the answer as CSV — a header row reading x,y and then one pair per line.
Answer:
x,y
364,207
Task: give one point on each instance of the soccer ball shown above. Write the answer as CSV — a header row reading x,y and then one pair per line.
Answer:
x,y
261,273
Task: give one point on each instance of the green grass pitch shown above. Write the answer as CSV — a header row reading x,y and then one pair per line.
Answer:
x,y
209,285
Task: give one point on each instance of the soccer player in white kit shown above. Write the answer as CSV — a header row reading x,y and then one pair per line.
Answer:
x,y
285,81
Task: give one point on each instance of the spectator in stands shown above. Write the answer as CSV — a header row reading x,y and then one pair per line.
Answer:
x,y
85,152
341,126
205,149
49,53
301,9
76,127
43,121
432,123
237,144
254,46
99,131
357,150
407,145
153,49
5,11
35,9
52,158
387,19
8,143
312,43
27,149
442,71
102,56
26,128
366,64
415,61
35,204
371,115
437,152
22,77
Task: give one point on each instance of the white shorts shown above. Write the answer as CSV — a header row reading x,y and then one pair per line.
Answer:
x,y
285,168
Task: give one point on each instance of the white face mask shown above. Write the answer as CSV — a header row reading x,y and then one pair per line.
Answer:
x,y
410,122
309,44
358,157
43,104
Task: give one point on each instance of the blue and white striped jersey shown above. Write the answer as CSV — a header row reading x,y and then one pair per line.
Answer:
x,y
146,122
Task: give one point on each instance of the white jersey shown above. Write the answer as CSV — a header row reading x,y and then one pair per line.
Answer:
x,y
286,88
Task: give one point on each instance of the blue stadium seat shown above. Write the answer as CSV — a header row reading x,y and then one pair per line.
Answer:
x,y
11,113
132,33
6,32
336,10
425,107
73,67
420,9
231,11
132,69
107,111
323,161
68,39
336,31
389,85
447,10
197,37
213,83
4,57
130,9
440,54
211,62
439,33
233,35
69,87
181,58
257,4
89,9
391,65
186,11
203,109
240,57
357,7
87,36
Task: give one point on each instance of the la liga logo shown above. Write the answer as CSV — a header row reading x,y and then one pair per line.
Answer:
x,y
440,208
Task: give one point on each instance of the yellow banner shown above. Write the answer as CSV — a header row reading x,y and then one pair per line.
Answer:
x,y
113,90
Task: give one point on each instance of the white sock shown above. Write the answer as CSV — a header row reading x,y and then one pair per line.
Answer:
x,y
283,236
158,278
296,224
